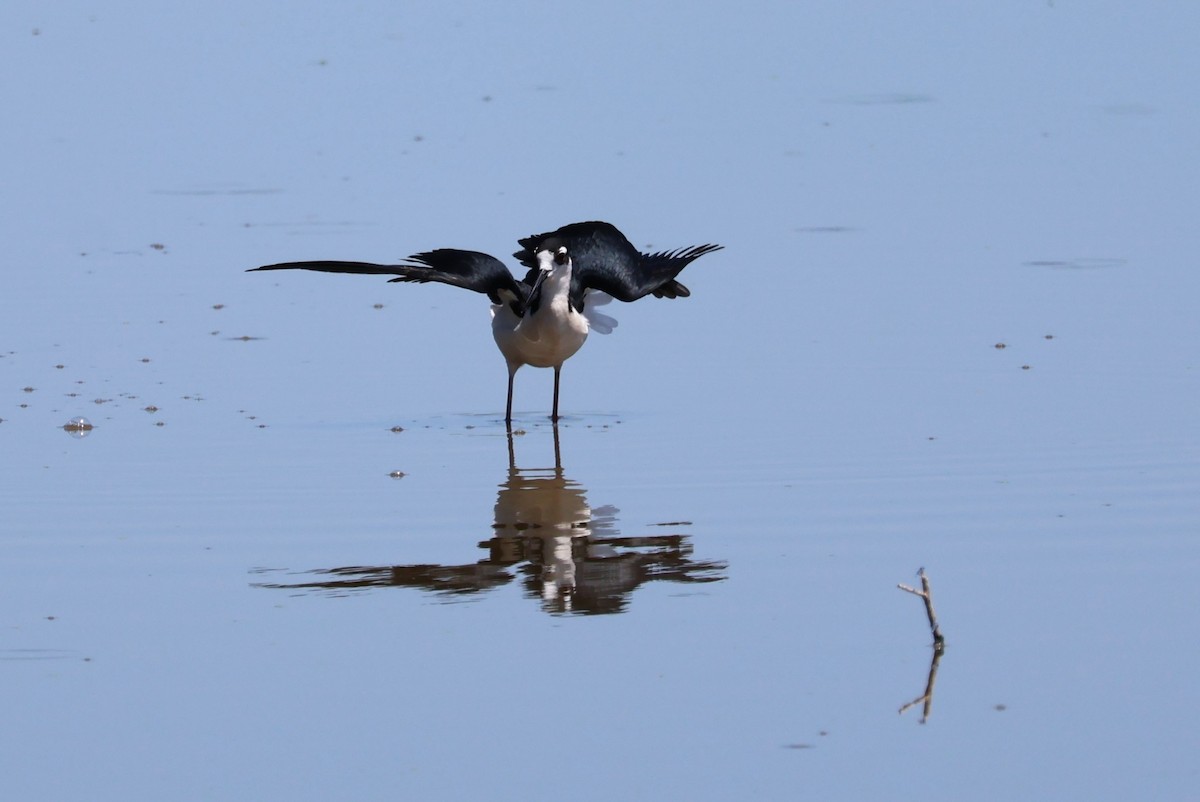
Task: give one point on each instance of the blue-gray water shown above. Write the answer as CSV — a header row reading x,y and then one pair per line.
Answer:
x,y
244,584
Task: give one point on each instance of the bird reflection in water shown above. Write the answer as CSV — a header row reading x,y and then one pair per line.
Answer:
x,y
567,555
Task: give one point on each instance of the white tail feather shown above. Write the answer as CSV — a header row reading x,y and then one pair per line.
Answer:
x,y
598,321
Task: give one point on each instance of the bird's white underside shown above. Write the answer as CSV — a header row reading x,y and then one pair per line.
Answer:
x,y
555,332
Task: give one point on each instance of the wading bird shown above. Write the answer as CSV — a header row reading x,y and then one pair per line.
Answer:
x,y
544,320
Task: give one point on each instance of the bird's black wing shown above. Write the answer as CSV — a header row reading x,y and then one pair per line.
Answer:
x,y
335,267
655,267
604,259
583,240
470,270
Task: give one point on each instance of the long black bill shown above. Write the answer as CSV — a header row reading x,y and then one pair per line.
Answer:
x,y
533,291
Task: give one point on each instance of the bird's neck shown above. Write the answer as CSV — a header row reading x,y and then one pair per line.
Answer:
x,y
555,289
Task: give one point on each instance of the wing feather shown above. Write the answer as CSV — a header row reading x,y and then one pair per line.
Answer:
x,y
470,270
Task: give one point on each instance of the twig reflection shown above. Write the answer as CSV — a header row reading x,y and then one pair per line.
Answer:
x,y
926,699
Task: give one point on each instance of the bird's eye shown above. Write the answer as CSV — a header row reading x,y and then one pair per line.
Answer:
x,y
560,256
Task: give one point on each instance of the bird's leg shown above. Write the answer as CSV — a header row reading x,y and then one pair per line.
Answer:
x,y
557,451
554,412
512,371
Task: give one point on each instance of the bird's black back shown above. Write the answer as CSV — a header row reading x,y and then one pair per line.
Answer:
x,y
604,259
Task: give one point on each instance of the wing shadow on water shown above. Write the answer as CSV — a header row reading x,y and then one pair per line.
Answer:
x,y
567,555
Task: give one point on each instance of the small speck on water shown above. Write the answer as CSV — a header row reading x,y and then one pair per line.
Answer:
x,y
397,474
78,426
396,429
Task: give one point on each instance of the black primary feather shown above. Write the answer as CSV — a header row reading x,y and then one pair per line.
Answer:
x,y
368,268
470,270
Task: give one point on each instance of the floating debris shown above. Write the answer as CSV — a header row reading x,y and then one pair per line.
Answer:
x,y
397,474
78,427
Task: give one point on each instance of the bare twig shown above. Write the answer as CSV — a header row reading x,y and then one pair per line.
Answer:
x,y
927,595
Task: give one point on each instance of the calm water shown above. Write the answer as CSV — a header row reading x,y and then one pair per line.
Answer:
x,y
297,557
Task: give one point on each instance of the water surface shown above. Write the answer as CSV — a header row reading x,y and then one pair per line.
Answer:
x,y
298,556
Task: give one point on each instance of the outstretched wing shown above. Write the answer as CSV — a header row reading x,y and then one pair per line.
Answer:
x,y
604,259
470,270
335,267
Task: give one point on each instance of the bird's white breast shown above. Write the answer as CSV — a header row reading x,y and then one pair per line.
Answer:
x,y
544,338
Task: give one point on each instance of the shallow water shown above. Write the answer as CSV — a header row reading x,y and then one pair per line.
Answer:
x,y
298,556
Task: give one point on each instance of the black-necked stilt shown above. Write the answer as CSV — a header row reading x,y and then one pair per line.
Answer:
x,y
544,320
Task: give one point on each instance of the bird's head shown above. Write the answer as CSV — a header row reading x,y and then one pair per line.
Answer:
x,y
552,256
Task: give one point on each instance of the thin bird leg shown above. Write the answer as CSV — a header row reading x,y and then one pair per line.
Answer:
x,y
512,371
554,413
